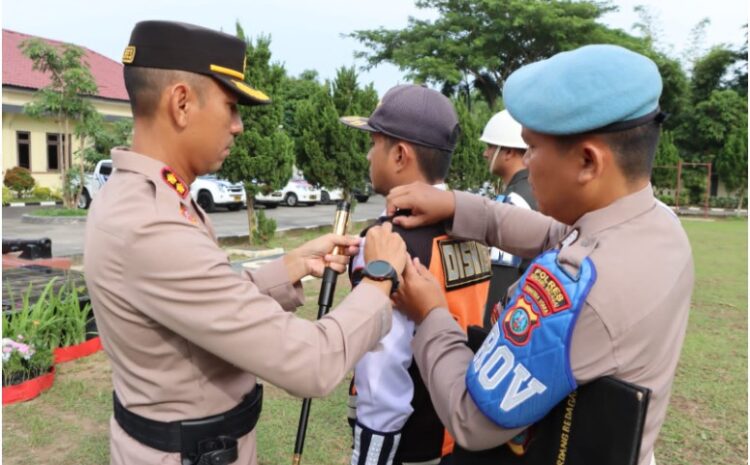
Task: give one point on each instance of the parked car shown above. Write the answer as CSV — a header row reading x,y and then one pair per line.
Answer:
x,y
269,200
210,192
93,182
334,195
363,195
330,195
298,191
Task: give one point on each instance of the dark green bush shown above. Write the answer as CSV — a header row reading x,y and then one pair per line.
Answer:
x,y
726,202
265,228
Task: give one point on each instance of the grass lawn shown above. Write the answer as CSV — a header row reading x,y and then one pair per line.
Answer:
x,y
59,211
707,420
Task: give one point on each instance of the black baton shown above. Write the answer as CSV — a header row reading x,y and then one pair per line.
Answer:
x,y
325,300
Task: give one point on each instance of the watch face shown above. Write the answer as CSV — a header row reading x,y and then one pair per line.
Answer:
x,y
378,268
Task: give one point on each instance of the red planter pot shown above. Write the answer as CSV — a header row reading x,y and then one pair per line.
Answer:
x,y
28,389
66,354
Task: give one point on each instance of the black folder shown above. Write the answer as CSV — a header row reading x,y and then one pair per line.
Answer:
x,y
601,423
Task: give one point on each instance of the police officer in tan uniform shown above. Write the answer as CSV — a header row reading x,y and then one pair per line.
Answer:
x,y
609,291
187,336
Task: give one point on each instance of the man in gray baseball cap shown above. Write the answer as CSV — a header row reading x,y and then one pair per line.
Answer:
x,y
411,123
414,131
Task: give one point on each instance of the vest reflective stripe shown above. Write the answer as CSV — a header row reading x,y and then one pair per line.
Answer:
x,y
522,370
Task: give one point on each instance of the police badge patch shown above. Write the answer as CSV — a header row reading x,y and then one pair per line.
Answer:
x,y
519,321
522,369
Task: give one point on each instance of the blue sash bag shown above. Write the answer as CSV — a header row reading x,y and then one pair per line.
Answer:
x,y
522,369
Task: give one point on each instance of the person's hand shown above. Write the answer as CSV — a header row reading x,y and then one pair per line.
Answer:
x,y
419,293
428,204
313,256
382,243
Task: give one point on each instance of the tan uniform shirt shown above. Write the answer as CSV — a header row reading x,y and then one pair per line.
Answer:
x,y
632,324
187,336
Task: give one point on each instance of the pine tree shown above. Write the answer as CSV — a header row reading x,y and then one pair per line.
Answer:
x,y
263,154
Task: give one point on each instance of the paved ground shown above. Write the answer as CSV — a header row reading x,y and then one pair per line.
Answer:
x,y
67,239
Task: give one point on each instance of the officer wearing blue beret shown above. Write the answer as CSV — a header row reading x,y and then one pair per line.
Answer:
x,y
609,287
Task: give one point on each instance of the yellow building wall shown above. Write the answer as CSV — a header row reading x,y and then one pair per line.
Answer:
x,y
38,130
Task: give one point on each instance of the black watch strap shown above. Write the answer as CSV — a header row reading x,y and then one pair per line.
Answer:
x,y
381,270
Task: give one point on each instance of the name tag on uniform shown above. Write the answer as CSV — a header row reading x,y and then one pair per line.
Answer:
x,y
464,262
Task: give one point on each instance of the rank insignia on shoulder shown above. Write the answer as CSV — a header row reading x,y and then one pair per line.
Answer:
x,y
464,262
174,182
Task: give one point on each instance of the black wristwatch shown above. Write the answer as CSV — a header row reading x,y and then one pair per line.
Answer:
x,y
381,270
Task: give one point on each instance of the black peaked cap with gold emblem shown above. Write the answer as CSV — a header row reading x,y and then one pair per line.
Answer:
x,y
186,47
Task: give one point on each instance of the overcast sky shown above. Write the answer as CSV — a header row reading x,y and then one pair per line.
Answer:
x,y
307,34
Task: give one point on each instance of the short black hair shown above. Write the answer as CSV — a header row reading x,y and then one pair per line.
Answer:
x,y
433,163
634,149
145,85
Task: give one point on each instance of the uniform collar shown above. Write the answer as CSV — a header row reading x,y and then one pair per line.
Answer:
x,y
619,211
442,186
127,160
520,174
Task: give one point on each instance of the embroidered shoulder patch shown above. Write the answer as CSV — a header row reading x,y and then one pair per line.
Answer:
x,y
464,262
519,321
546,290
174,182
186,213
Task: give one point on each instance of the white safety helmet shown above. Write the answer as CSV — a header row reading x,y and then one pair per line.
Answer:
x,y
503,131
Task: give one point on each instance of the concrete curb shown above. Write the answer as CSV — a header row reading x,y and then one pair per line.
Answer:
x,y
256,254
52,219
44,203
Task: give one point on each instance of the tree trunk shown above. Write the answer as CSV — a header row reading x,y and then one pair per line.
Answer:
x,y
741,201
251,220
68,203
79,188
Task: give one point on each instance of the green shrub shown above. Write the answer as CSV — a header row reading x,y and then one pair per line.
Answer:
x,y
59,211
7,195
42,193
669,199
726,202
265,228
19,180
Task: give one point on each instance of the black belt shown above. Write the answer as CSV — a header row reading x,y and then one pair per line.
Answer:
x,y
193,438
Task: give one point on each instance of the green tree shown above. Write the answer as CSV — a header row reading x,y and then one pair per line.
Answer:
x,y
731,160
732,163
295,90
664,174
739,82
476,43
328,152
263,154
709,135
104,136
64,99
468,167
710,73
